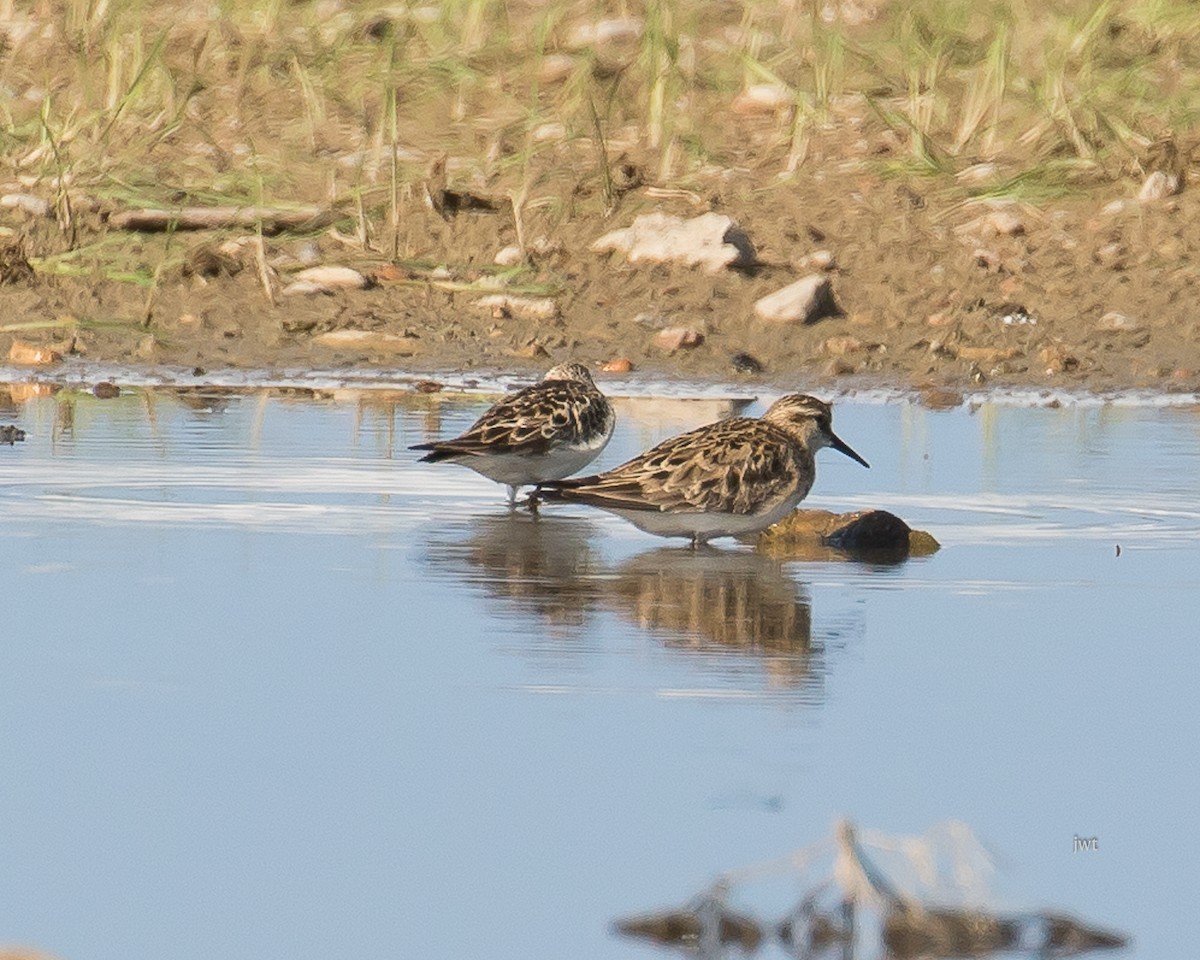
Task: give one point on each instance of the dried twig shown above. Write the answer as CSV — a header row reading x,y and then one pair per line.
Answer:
x,y
271,219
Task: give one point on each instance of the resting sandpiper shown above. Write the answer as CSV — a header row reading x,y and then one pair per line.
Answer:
x,y
545,432
727,479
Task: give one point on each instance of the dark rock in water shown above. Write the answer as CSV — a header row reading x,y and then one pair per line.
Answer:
x,y
745,363
106,390
865,534
870,530
10,434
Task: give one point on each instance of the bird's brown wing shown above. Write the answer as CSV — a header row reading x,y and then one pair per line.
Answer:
x,y
741,466
533,420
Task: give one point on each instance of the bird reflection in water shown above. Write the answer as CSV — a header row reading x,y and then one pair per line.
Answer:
x,y
546,566
713,604
717,602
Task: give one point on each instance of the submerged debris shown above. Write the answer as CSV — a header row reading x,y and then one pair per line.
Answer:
x,y
855,892
10,434
689,928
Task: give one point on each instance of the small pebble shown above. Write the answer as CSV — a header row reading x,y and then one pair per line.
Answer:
x,y
106,390
679,338
427,386
509,256
746,363
1117,322
1158,186
618,365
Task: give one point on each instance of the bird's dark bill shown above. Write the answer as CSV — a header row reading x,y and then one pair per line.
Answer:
x,y
837,443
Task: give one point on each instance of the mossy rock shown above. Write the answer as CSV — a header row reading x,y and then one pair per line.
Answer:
x,y
863,534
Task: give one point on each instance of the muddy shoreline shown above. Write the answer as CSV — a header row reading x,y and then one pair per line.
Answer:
x,y
930,299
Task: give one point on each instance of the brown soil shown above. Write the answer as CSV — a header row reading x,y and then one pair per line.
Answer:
x,y
924,301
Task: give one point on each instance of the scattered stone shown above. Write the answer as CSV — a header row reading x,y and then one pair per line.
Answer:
x,y
841,367
1005,222
746,363
188,321
106,390
842,345
555,68
1111,255
10,434
996,223
302,288
331,278
939,320
977,173
988,259
390,273
600,33
1158,186
679,338
30,355
618,365
309,253
821,260
509,256
987,355
712,241
1058,359
147,348
1117,206
523,308
427,386
941,398
368,341
1118,322
26,203
763,98
530,351
804,301
1015,315
651,320
554,132
298,324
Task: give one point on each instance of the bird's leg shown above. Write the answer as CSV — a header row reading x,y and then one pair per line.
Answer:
x,y
512,497
534,499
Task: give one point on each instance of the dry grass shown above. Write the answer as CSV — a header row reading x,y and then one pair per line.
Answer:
x,y
153,103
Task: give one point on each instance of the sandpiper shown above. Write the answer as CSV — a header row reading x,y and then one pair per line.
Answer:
x,y
545,432
727,479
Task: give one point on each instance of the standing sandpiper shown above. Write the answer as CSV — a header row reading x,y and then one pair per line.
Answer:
x,y
545,432
726,479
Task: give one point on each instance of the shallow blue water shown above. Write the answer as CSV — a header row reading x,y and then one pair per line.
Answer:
x,y
270,689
